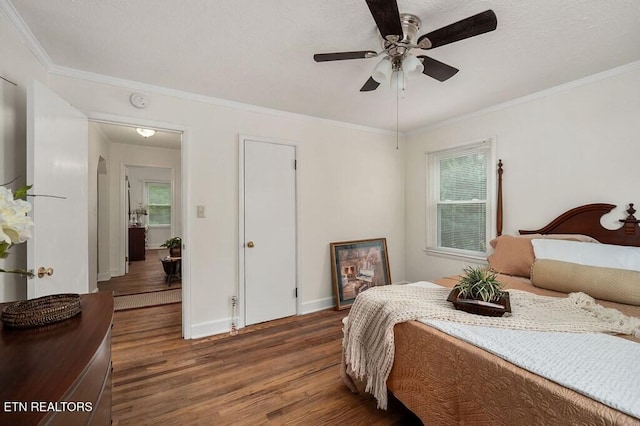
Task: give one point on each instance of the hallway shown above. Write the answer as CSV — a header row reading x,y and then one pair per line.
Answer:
x,y
144,276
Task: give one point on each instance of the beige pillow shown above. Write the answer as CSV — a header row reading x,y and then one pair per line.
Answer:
x,y
513,255
569,237
616,285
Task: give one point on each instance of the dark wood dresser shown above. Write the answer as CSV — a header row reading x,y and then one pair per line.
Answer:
x,y
137,243
59,374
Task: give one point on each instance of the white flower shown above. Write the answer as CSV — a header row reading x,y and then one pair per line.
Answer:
x,y
15,225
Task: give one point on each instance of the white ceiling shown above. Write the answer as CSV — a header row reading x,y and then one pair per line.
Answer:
x,y
117,133
260,52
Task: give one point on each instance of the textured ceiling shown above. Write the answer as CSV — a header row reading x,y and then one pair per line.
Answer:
x,y
260,52
116,133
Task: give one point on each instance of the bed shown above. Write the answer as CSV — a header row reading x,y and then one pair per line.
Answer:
x,y
446,380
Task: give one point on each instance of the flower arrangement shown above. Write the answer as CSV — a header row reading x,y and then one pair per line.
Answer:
x,y
15,225
137,215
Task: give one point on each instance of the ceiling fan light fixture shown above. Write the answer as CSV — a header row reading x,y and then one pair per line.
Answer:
x,y
399,34
145,133
382,72
412,66
399,81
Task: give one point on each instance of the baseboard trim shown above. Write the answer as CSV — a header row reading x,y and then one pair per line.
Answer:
x,y
104,276
317,305
206,329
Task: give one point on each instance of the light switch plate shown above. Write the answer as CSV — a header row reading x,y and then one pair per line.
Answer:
x,y
200,211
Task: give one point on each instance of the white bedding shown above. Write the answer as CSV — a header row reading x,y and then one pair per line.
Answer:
x,y
603,367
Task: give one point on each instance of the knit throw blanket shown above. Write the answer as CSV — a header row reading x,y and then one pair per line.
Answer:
x,y
368,343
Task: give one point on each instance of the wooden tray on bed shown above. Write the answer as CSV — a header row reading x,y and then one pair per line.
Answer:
x,y
479,307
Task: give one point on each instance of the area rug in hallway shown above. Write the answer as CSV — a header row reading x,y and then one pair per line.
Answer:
x,y
143,300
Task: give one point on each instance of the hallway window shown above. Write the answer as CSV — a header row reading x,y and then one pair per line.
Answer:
x,y
159,203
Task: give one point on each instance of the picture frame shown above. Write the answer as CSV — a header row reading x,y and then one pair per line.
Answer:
x,y
357,266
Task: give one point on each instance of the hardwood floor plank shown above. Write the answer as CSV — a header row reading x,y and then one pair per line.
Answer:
x,y
280,372
144,276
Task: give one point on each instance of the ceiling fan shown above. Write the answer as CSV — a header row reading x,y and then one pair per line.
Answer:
x,y
399,33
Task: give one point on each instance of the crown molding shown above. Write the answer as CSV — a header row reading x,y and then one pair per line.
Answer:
x,y
149,88
11,14
13,17
613,72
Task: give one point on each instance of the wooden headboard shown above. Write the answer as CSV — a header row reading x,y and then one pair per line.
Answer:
x,y
585,220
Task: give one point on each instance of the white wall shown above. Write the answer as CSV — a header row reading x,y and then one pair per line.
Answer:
x,y
351,187
351,180
98,270
104,234
571,146
17,64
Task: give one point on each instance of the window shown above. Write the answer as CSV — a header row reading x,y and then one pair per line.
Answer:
x,y
459,212
159,203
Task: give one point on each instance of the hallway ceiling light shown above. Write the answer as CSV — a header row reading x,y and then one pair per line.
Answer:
x,y
147,133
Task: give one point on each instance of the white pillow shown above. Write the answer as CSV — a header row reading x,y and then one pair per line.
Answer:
x,y
603,255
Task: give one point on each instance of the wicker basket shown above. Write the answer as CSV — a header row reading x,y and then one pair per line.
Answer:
x,y
41,311
478,307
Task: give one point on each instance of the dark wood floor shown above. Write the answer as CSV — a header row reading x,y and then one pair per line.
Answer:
x,y
144,276
283,372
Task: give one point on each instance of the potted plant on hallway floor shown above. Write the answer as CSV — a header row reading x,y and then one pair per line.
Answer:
x,y
174,245
479,292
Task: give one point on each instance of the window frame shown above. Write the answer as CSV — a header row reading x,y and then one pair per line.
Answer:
x,y
171,205
432,181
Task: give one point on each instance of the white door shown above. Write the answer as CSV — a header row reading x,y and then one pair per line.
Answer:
x,y
57,139
269,231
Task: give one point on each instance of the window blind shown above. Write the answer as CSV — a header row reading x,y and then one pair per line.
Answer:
x,y
459,188
159,203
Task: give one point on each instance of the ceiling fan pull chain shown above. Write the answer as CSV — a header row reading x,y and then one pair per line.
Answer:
x,y
397,115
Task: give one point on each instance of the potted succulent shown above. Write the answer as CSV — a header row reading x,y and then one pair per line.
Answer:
x,y
174,245
479,292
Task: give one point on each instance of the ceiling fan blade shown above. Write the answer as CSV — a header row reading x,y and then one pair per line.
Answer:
x,y
436,69
341,56
370,85
472,26
387,17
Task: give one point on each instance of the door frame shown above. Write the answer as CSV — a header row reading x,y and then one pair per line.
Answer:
x,y
186,211
242,138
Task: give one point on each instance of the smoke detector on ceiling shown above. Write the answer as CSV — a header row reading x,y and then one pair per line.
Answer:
x,y
138,100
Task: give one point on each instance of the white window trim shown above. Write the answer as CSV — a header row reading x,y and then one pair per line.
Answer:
x,y
145,196
431,230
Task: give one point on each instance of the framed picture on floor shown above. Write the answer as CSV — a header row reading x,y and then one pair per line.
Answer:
x,y
357,266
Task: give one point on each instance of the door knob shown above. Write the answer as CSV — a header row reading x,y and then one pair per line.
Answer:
x,y
250,244
42,271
